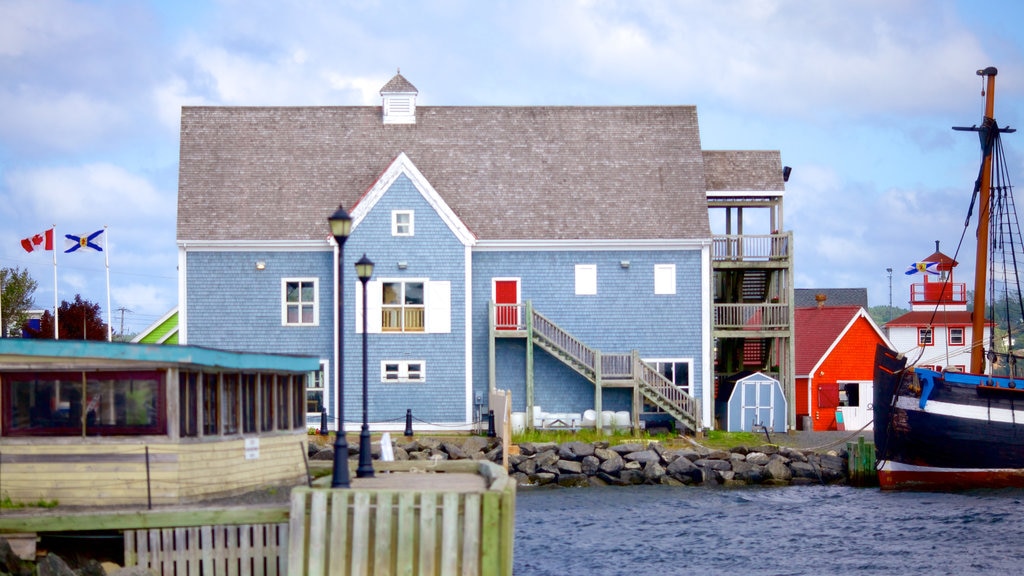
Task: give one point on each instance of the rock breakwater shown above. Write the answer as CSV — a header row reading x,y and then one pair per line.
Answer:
x,y
601,464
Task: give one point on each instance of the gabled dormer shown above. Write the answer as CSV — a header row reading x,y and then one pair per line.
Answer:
x,y
399,106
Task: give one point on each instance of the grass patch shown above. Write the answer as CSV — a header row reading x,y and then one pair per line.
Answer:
x,y
724,440
587,435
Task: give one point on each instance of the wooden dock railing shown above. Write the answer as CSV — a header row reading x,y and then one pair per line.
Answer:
x,y
438,530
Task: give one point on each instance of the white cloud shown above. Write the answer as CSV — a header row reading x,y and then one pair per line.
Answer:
x,y
94,192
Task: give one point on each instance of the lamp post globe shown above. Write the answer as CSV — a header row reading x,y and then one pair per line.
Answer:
x,y
341,227
364,269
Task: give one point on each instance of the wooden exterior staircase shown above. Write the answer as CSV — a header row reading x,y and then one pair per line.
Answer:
x,y
601,369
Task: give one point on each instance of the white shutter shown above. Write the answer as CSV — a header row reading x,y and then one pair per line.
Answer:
x,y
438,301
374,291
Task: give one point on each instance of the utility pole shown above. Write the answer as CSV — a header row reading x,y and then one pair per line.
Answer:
x,y
122,310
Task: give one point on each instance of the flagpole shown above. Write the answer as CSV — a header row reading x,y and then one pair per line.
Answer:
x,y
106,259
56,332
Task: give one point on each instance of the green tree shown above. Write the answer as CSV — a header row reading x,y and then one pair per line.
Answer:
x,y
16,291
78,320
882,314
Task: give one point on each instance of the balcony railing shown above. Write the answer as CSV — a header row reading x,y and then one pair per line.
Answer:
x,y
752,247
938,293
752,316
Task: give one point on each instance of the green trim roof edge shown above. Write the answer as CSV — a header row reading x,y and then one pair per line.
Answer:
x,y
153,353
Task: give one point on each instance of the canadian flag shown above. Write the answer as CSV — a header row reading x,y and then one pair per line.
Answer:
x,y
41,241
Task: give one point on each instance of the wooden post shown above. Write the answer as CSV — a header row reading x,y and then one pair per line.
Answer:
x,y
861,463
529,365
598,391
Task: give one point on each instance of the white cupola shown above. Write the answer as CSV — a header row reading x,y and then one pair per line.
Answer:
x,y
399,100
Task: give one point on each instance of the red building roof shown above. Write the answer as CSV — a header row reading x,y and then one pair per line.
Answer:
x,y
930,317
818,329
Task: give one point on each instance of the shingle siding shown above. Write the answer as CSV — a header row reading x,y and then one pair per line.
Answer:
x,y
234,306
433,253
624,315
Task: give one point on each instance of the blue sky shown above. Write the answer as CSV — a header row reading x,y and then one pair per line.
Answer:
x,y
858,96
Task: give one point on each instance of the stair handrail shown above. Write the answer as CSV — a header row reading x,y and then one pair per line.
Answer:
x,y
650,380
565,342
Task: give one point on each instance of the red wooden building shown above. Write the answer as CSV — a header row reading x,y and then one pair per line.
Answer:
x,y
835,348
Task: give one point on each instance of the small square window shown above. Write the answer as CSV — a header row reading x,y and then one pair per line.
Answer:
x,y
402,223
299,305
924,336
956,336
401,371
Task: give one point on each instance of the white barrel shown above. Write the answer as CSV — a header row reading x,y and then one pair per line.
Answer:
x,y
607,417
518,422
622,419
589,419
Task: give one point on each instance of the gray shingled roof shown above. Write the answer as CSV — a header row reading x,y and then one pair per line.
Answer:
x,y
398,84
743,170
510,173
805,297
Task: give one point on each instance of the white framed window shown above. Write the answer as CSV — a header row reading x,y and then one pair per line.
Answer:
x,y
315,386
956,336
678,371
586,279
402,223
299,302
403,307
664,278
924,336
402,371
406,305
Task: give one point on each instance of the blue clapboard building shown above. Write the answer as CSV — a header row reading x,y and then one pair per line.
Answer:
x,y
559,252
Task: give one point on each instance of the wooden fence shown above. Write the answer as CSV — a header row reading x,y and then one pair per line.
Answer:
x,y
427,531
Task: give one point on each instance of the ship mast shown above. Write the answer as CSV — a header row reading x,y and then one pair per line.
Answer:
x,y
987,133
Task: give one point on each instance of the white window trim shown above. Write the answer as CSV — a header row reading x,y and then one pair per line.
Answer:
x,y
920,336
963,337
689,372
284,302
437,302
395,224
586,279
665,279
403,372
324,377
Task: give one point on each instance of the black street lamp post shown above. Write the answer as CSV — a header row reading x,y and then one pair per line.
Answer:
x,y
364,269
341,227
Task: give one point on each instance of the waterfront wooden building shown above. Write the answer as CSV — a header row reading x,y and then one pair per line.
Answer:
x,y
87,423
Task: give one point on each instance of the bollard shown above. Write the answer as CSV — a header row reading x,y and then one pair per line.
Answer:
x,y
323,422
490,424
408,421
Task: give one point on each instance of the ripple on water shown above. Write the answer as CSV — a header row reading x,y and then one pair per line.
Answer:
x,y
762,530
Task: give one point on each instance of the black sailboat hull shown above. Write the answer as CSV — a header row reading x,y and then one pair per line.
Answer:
x,y
968,432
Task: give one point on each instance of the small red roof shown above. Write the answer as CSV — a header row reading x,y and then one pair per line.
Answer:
x,y
930,317
817,329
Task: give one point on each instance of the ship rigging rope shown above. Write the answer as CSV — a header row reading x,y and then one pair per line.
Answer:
x,y
1004,237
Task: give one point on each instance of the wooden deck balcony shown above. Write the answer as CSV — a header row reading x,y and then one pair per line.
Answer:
x,y
750,248
754,317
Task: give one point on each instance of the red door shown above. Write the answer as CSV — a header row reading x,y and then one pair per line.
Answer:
x,y
506,304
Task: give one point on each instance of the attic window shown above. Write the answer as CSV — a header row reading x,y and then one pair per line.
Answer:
x,y
402,223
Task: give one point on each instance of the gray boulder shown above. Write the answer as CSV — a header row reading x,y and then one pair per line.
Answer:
x,y
612,465
643,456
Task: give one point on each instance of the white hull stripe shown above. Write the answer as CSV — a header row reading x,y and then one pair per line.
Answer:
x,y
891,466
982,413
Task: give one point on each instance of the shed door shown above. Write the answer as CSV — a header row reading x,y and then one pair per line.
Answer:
x,y
506,304
757,405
